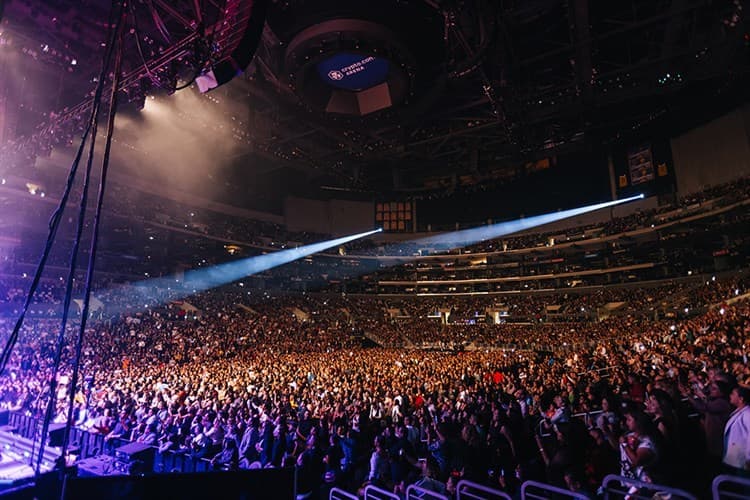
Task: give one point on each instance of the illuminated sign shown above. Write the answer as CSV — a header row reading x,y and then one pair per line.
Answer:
x,y
354,72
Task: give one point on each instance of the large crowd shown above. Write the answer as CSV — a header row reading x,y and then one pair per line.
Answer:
x,y
650,382
289,381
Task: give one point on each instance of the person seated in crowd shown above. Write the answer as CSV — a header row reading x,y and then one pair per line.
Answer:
x,y
121,431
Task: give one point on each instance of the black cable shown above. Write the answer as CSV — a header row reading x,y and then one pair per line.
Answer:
x,y
49,413
54,224
93,126
95,234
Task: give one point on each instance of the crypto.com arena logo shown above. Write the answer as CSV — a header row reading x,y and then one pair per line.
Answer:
x,y
357,67
335,75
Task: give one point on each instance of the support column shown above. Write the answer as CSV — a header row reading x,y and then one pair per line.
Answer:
x,y
612,178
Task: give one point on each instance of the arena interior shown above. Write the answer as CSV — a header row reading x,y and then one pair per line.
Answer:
x,y
404,249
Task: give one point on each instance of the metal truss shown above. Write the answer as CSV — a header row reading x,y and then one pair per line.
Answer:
x,y
523,79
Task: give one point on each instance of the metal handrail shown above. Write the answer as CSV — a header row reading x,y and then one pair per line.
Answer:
x,y
466,490
525,494
420,492
339,494
628,483
374,493
742,482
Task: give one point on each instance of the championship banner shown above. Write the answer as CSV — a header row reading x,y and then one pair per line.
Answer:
x,y
641,165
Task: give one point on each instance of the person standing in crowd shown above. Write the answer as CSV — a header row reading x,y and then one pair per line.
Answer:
x,y
379,467
248,451
737,434
638,452
715,410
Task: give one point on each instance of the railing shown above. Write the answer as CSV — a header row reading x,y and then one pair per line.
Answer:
x,y
724,487
85,444
620,487
730,487
529,490
374,493
414,492
82,442
25,426
469,490
587,416
339,494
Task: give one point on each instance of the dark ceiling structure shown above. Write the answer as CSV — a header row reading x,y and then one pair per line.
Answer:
x,y
379,96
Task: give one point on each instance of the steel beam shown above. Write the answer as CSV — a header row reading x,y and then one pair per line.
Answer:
x,y
618,31
169,9
581,35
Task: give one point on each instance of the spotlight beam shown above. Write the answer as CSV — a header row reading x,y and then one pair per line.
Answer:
x,y
468,237
198,280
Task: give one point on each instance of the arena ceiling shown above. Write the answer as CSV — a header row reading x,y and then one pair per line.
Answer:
x,y
437,87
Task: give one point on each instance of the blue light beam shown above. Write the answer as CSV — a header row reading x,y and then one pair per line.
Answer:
x,y
468,237
204,279
199,280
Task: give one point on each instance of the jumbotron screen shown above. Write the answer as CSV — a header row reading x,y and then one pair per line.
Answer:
x,y
353,72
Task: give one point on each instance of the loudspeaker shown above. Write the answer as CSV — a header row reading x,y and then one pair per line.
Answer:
x,y
100,465
239,59
56,435
139,454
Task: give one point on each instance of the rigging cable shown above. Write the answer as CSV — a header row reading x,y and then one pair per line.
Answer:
x,y
51,403
118,42
53,226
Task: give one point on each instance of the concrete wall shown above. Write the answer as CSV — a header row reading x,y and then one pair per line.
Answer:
x,y
714,153
337,217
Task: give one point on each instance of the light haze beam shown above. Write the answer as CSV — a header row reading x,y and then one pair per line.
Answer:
x,y
199,280
466,237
